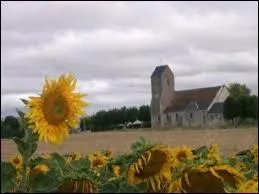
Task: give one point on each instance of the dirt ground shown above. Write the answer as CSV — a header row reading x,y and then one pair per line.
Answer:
x,y
229,140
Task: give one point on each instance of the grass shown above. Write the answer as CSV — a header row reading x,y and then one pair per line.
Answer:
x,y
229,140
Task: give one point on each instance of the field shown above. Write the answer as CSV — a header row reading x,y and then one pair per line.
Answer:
x,y
229,140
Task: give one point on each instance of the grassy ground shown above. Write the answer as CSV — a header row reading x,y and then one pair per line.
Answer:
x,y
229,140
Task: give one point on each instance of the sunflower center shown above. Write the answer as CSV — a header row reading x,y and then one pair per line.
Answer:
x,y
155,165
16,161
55,108
181,155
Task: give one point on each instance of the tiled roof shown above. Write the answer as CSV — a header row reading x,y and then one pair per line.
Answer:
x,y
217,108
159,70
202,96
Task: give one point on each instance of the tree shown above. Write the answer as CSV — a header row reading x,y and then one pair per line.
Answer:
x,y
144,113
236,90
240,103
232,109
132,114
10,127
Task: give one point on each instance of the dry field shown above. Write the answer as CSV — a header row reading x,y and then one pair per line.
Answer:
x,y
229,140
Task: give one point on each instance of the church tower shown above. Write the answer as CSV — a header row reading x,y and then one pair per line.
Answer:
x,y
162,88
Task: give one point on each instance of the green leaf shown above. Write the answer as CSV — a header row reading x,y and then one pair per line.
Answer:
x,y
23,120
32,142
48,182
8,177
24,101
28,144
21,145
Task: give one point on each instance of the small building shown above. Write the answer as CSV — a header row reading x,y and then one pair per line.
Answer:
x,y
137,124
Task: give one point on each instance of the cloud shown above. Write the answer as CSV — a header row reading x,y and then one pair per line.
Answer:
x,y
113,47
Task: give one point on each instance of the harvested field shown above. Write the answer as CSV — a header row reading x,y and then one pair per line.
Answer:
x,y
229,140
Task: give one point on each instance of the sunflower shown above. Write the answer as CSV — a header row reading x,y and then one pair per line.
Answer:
x,y
228,175
254,151
108,153
200,180
74,156
251,186
152,167
116,170
214,154
77,186
56,110
97,160
178,154
17,161
39,169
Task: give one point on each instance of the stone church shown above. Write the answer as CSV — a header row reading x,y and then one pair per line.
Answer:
x,y
200,107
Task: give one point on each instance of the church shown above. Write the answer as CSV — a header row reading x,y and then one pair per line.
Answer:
x,y
199,107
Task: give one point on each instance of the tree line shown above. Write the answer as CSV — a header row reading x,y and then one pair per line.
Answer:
x,y
100,121
109,120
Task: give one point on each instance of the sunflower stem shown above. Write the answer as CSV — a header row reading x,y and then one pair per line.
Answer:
x,y
23,185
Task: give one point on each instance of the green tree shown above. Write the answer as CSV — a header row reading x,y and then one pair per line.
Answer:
x,y
232,109
10,127
132,114
236,90
144,113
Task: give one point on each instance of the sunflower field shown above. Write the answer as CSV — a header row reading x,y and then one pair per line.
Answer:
x,y
148,168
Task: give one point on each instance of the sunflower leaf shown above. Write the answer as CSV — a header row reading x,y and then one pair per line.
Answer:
x,y
21,145
24,101
8,177
48,182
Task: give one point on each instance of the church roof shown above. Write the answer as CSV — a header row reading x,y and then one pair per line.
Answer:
x,y
202,96
217,107
159,70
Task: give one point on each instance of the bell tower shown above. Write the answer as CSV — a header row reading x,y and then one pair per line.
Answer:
x,y
162,88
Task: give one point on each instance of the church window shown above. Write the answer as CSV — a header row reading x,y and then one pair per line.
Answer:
x,y
158,118
191,115
204,121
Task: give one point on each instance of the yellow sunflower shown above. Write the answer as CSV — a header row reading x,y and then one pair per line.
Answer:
x,y
254,151
116,170
251,186
17,161
56,110
39,169
200,180
78,186
97,160
228,175
108,153
74,156
152,167
214,154
179,153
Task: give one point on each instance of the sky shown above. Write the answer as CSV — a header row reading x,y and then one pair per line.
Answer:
x,y
113,47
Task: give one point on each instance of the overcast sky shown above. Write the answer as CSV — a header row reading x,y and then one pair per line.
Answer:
x,y
113,47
